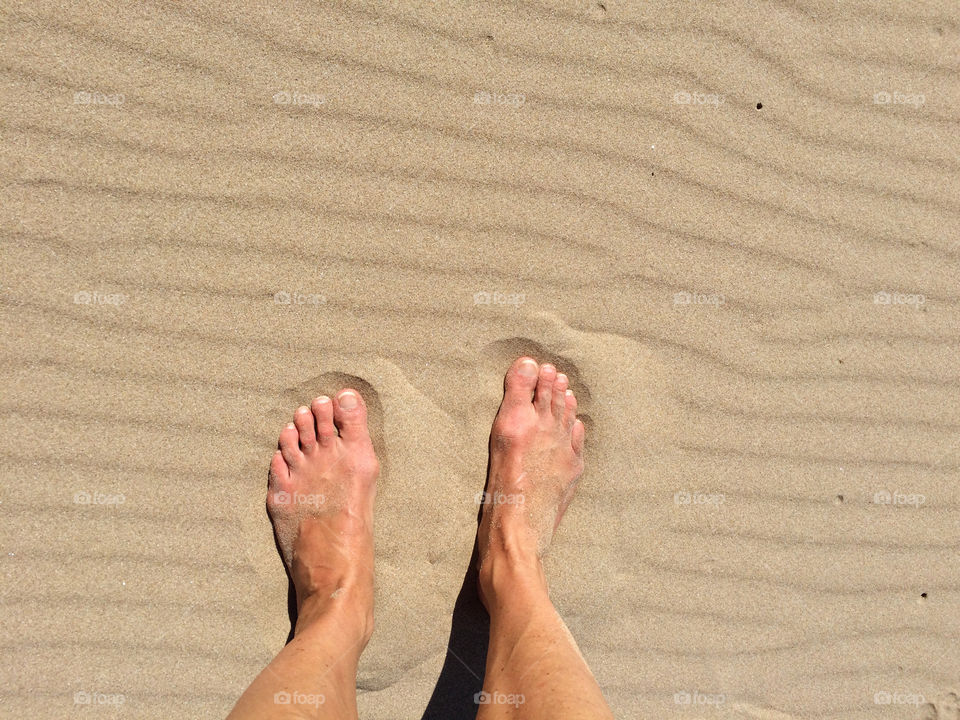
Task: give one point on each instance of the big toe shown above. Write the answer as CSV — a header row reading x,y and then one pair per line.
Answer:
x,y
350,415
520,381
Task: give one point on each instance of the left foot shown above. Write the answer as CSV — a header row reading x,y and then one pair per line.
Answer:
x,y
320,499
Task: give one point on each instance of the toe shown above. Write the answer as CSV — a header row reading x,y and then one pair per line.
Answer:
x,y
558,404
323,412
350,415
576,437
290,445
303,419
520,381
570,408
543,397
279,472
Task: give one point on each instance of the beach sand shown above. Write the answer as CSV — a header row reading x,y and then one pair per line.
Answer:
x,y
736,227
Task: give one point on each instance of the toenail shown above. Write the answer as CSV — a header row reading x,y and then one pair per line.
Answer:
x,y
548,370
291,426
303,409
348,400
528,368
323,400
569,393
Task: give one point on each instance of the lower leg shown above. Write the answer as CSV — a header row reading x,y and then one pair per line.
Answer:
x,y
534,667
315,673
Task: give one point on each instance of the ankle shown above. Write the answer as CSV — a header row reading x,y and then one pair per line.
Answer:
x,y
510,577
348,612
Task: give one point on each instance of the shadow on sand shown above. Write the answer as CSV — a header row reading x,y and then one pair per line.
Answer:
x,y
462,674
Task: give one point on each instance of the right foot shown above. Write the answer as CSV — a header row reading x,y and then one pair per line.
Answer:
x,y
536,457
320,499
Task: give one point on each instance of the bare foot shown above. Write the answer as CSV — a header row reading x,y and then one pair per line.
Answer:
x,y
320,499
536,457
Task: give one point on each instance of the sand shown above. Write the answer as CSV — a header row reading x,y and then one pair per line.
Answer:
x,y
212,214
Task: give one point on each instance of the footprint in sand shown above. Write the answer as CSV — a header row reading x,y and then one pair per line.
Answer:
x,y
946,708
